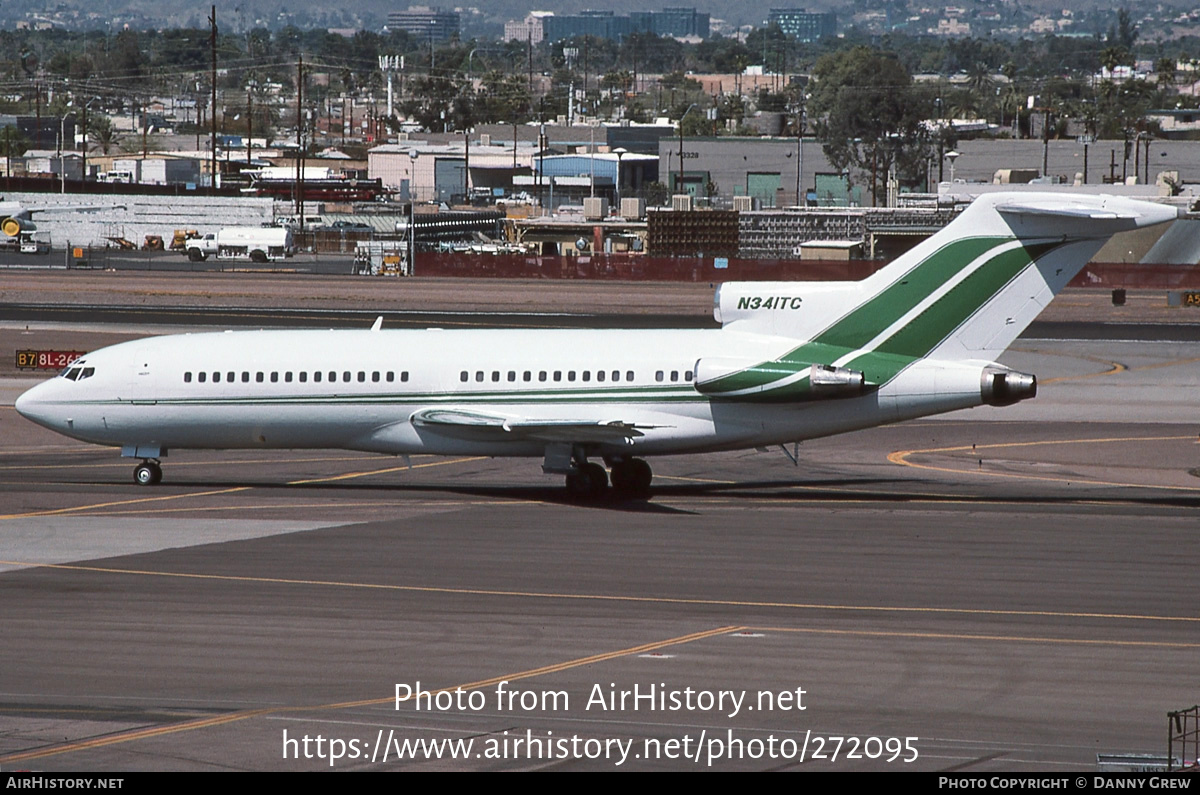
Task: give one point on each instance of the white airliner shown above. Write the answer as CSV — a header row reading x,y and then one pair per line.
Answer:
x,y
791,361
13,218
16,218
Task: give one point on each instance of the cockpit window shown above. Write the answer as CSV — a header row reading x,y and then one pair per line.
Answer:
x,y
75,371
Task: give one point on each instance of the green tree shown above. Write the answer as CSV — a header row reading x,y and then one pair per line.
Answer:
x,y
656,194
1124,33
502,98
867,116
435,102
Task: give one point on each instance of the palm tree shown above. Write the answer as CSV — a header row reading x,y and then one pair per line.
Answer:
x,y
979,79
102,132
1165,68
1112,57
14,145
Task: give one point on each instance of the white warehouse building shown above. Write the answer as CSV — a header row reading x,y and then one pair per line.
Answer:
x,y
434,172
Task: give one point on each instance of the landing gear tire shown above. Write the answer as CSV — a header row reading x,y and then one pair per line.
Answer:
x,y
147,473
631,478
588,482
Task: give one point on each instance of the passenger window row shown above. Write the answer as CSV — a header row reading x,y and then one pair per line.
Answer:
x,y
317,377
496,376
545,375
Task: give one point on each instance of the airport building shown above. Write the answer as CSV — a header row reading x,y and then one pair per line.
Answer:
x,y
529,29
437,172
804,25
425,22
676,22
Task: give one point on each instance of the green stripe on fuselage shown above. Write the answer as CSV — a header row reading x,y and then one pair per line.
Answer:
x,y
918,337
872,318
868,320
938,321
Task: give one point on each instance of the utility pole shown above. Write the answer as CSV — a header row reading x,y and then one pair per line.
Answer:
x,y
541,166
62,170
799,154
212,112
37,134
300,142
249,125
679,173
1046,140
83,158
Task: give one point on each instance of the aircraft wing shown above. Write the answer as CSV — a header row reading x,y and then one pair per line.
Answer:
x,y
472,424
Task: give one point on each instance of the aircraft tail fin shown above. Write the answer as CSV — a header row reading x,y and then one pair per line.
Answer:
x,y
965,293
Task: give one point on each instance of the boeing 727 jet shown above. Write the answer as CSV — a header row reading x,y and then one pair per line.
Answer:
x,y
791,361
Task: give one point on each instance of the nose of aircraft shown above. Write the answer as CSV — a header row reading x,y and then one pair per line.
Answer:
x,y
32,404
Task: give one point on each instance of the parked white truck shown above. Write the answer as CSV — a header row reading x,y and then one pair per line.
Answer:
x,y
256,243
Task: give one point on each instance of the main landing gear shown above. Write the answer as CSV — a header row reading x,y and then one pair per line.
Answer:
x,y
147,473
630,479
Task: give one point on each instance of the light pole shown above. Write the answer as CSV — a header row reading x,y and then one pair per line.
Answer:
x,y
620,152
1086,139
952,156
412,211
1149,138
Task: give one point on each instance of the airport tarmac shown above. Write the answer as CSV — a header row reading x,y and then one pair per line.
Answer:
x,y
994,590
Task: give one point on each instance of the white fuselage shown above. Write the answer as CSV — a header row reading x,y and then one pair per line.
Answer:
x,y
792,361
361,389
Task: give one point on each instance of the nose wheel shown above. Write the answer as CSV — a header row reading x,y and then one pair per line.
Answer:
x,y
147,473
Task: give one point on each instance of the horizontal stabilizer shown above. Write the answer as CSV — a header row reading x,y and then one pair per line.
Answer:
x,y
1062,210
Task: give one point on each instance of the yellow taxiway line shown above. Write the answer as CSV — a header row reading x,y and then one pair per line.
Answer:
x,y
901,457
594,597
240,715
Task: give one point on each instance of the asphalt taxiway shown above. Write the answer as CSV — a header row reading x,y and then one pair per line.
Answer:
x,y
1013,589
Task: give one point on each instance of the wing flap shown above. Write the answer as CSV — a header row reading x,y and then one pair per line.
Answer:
x,y
472,424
